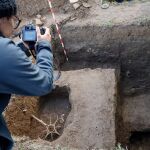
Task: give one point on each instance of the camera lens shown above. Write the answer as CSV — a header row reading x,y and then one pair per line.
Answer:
x,y
27,28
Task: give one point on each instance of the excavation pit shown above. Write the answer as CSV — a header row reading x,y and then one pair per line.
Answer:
x,y
101,39
140,141
42,117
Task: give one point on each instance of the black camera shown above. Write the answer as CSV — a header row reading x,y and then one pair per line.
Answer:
x,y
29,35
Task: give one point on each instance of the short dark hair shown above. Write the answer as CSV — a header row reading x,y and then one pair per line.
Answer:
x,y
8,8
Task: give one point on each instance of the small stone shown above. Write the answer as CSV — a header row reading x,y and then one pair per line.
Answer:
x,y
73,1
43,19
38,16
76,5
105,6
86,5
38,22
24,110
74,18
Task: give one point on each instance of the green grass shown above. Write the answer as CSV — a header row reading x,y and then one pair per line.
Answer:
x,y
119,147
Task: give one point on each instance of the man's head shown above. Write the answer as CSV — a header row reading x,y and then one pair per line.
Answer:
x,y
8,21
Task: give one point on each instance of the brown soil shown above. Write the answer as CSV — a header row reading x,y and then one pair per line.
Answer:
x,y
18,115
53,109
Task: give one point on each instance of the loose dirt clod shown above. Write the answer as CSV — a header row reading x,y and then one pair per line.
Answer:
x,y
86,5
76,5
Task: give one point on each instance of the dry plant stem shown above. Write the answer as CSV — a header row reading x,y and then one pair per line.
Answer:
x,y
40,121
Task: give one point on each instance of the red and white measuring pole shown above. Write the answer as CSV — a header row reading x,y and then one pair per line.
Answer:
x,y
57,27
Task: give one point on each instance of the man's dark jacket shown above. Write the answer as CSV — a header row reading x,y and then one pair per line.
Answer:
x,y
19,76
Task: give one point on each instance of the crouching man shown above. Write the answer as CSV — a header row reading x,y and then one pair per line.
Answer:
x,y
17,73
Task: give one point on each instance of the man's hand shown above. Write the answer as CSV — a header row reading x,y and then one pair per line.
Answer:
x,y
45,36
